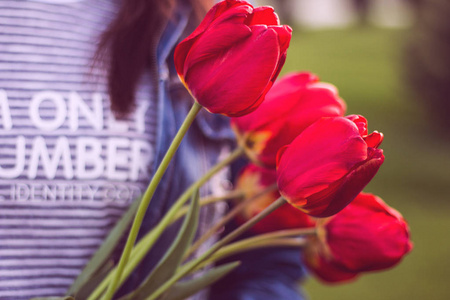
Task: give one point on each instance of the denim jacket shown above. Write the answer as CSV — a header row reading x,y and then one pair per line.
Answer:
x,y
263,275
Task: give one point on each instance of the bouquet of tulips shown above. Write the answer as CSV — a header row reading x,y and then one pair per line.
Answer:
x,y
308,164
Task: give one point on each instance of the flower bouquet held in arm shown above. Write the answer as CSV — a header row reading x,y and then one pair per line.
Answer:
x,y
302,188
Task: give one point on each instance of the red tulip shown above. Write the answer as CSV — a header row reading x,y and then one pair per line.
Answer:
x,y
294,102
328,164
231,60
365,236
253,180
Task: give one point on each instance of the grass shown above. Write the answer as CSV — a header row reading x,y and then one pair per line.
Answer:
x,y
365,64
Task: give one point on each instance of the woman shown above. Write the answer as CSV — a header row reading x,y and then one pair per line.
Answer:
x,y
80,141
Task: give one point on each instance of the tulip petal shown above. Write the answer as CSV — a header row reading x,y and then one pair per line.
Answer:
x,y
220,12
290,84
368,236
295,117
230,62
229,4
361,122
275,104
342,192
260,51
182,49
254,179
374,139
263,15
214,42
284,36
293,103
328,271
280,154
322,154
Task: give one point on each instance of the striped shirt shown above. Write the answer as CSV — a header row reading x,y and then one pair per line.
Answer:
x,y
68,168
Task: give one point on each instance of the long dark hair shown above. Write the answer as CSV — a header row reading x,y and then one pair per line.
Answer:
x,y
128,45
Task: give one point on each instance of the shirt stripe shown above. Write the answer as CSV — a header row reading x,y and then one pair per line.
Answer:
x,y
68,168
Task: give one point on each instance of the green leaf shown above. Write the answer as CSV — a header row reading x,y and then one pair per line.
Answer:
x,y
174,255
54,298
99,262
182,290
95,280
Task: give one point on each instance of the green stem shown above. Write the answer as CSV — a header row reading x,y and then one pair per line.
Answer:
x,y
235,194
236,248
146,242
186,269
280,234
225,219
178,205
148,196
264,240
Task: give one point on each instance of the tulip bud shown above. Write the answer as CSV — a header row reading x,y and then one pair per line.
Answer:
x,y
365,236
231,60
328,165
253,180
294,102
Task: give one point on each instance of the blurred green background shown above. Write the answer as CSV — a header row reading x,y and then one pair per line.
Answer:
x,y
365,63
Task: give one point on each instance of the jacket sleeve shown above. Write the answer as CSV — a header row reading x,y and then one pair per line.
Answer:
x,y
264,274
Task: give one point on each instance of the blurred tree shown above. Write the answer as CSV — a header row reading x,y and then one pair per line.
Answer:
x,y
284,9
362,8
428,59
